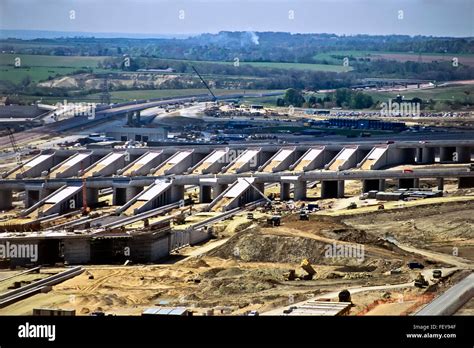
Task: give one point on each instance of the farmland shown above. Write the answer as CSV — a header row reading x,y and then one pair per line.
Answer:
x,y
336,57
40,68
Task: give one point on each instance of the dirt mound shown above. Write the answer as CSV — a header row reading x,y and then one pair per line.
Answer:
x,y
196,263
253,246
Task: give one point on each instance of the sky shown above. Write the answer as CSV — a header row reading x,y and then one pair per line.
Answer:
x,y
407,17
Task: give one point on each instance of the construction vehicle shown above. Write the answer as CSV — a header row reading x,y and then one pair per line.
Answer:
x,y
306,266
437,273
180,219
304,215
274,221
415,265
345,296
420,281
290,275
353,205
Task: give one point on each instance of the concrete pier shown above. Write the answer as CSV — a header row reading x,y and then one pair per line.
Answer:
x,y
428,155
440,182
299,192
284,191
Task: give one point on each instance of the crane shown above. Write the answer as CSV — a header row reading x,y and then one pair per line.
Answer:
x,y
15,148
214,98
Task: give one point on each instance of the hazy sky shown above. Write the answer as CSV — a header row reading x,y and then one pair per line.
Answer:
x,y
424,17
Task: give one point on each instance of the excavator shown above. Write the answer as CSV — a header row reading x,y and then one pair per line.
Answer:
x,y
307,267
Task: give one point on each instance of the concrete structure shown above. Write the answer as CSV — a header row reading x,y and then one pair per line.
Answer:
x,y
347,158
143,164
280,161
313,158
375,184
176,164
65,199
33,168
108,165
452,300
238,194
212,163
81,248
212,184
332,189
246,161
144,134
72,165
159,194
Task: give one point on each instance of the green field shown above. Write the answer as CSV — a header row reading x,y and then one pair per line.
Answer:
x,y
41,67
299,66
119,96
328,56
122,96
276,65
438,94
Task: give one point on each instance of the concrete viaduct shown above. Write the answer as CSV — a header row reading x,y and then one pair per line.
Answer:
x,y
227,176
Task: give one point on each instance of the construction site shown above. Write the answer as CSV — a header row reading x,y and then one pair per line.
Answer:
x,y
311,228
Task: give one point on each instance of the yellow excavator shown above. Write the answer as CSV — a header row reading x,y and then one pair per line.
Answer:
x,y
306,266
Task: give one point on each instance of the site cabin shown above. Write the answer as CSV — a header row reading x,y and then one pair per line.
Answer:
x,y
50,312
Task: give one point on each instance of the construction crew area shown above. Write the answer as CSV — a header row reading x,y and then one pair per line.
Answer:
x,y
303,229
